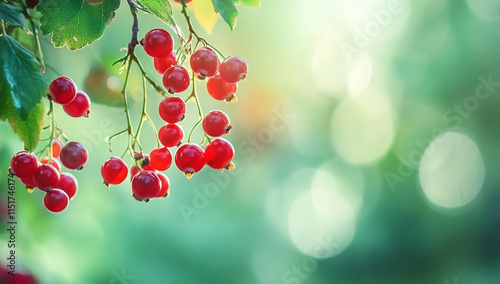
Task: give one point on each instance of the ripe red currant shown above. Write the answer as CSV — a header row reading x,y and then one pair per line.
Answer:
x,y
172,109
160,159
145,185
189,159
79,106
28,182
74,155
216,123
54,162
56,200
170,135
68,183
62,90
204,62
220,89
165,184
233,69
163,63
176,79
133,171
114,171
46,177
23,164
158,43
219,153
32,3
56,148
146,164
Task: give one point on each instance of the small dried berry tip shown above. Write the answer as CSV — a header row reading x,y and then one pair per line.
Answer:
x,y
87,114
228,128
138,156
188,174
30,189
232,98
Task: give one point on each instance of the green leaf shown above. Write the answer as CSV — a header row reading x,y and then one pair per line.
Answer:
x,y
29,128
75,23
249,2
161,9
227,11
20,78
12,15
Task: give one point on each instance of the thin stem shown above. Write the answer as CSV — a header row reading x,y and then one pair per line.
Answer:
x,y
150,81
135,29
198,106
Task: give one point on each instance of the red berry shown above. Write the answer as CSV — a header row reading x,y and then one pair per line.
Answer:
x,y
46,177
56,148
233,69
163,63
158,43
56,200
74,155
160,159
62,90
133,171
220,89
219,153
204,62
79,106
216,123
172,109
165,184
170,135
176,79
114,171
32,3
28,182
23,164
146,165
145,185
68,183
189,159
54,162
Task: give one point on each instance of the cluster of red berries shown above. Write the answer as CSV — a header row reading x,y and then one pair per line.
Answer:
x,y
45,174
148,181
74,102
222,76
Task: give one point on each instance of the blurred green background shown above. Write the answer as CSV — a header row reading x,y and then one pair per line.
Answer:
x,y
337,179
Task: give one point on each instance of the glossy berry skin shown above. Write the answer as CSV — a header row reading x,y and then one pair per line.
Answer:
x,y
62,90
165,184
170,135
74,155
69,184
32,3
133,171
176,79
204,62
79,106
172,109
56,200
160,159
233,69
145,185
56,148
114,171
23,164
216,123
158,43
163,63
190,159
219,153
220,89
54,162
46,177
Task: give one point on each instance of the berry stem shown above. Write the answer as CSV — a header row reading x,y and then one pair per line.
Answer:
x,y
198,106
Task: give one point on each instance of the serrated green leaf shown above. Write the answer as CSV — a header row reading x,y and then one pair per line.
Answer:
x,y
12,15
161,9
20,77
75,23
29,128
227,11
249,2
